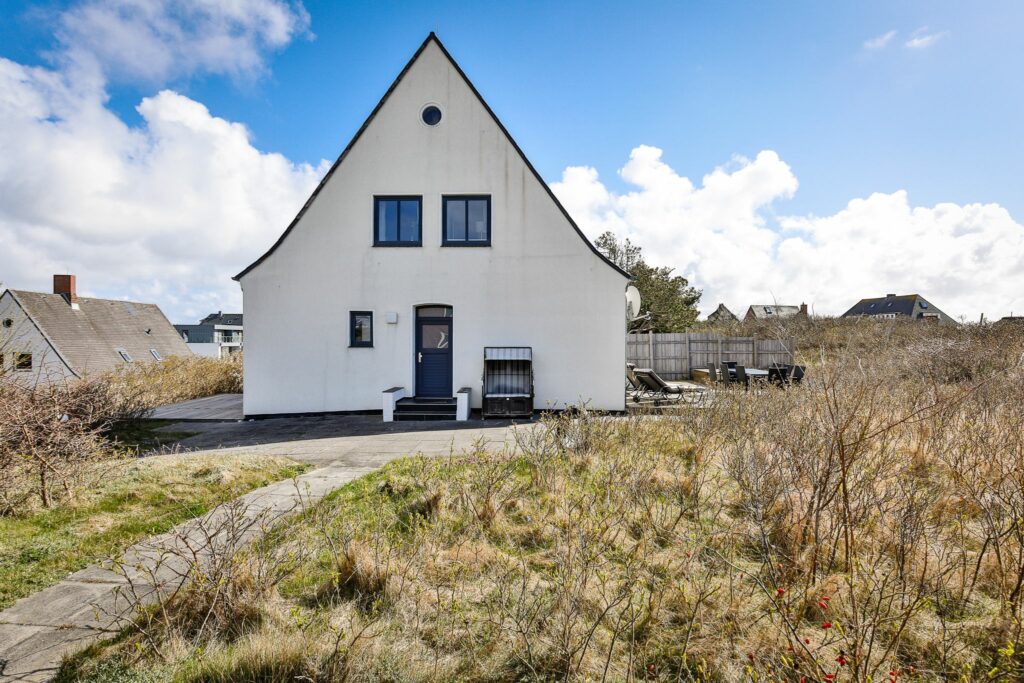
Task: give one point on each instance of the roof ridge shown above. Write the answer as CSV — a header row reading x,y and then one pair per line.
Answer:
x,y
85,298
431,37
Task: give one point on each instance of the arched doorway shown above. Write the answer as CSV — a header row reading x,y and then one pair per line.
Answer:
x,y
433,351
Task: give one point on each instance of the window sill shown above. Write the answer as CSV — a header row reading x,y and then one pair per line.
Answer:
x,y
466,244
360,346
398,244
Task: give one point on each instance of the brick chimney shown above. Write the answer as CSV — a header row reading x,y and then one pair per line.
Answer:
x,y
803,309
889,296
65,286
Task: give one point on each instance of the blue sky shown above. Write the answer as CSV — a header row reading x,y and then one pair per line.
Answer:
x,y
584,84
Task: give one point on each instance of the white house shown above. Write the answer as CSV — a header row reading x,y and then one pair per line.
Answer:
x,y
429,239
218,335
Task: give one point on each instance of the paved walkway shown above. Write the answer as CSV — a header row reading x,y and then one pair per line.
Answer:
x,y
216,408
37,631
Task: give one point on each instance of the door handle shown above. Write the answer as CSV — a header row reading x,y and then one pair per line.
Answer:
x,y
419,356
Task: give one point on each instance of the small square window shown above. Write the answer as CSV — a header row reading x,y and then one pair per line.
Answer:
x,y
360,328
467,221
397,221
156,354
23,361
125,356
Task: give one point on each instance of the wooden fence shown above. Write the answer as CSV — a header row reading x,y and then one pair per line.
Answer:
x,y
674,355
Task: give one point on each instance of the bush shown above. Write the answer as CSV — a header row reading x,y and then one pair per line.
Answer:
x,y
51,433
178,378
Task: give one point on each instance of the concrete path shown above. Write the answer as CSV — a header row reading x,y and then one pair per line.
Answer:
x,y
37,631
217,408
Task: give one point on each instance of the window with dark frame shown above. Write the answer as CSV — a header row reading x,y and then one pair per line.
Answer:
x,y
466,220
22,361
360,325
125,356
398,221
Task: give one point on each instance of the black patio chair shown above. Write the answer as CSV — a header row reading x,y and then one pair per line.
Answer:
x,y
712,373
778,374
741,377
726,373
796,374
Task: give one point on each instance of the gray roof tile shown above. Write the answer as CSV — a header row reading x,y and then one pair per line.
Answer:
x,y
88,339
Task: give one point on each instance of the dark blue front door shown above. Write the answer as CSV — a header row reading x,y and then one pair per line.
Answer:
x,y
434,357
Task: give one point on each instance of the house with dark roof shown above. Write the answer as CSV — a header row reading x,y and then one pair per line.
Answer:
x,y
54,336
432,264
774,311
222,318
218,335
722,315
891,306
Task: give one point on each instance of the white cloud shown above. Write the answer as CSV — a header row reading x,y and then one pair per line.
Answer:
x,y
153,40
921,38
878,42
724,237
167,211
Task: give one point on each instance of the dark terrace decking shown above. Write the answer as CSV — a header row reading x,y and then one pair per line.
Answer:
x,y
219,408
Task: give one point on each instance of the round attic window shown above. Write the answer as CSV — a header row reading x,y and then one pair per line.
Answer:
x,y
431,115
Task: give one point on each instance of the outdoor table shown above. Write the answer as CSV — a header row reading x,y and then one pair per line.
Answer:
x,y
751,372
754,374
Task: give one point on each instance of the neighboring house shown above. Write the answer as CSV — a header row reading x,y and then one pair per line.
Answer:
x,y
722,315
51,337
429,239
218,335
774,311
913,306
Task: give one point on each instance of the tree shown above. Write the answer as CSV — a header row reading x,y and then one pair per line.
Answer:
x,y
669,298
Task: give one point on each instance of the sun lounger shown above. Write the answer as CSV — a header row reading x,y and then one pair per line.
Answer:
x,y
660,390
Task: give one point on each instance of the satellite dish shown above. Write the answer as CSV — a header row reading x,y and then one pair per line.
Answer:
x,y
632,303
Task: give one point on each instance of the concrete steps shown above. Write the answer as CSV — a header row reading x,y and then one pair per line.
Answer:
x,y
418,409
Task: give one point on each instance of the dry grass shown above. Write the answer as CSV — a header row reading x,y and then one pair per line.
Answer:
x,y
867,526
122,501
51,432
178,378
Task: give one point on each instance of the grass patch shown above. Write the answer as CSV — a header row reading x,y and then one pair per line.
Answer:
x,y
131,499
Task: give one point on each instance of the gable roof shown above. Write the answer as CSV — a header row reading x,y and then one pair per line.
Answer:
x,y
88,339
912,305
721,314
437,41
